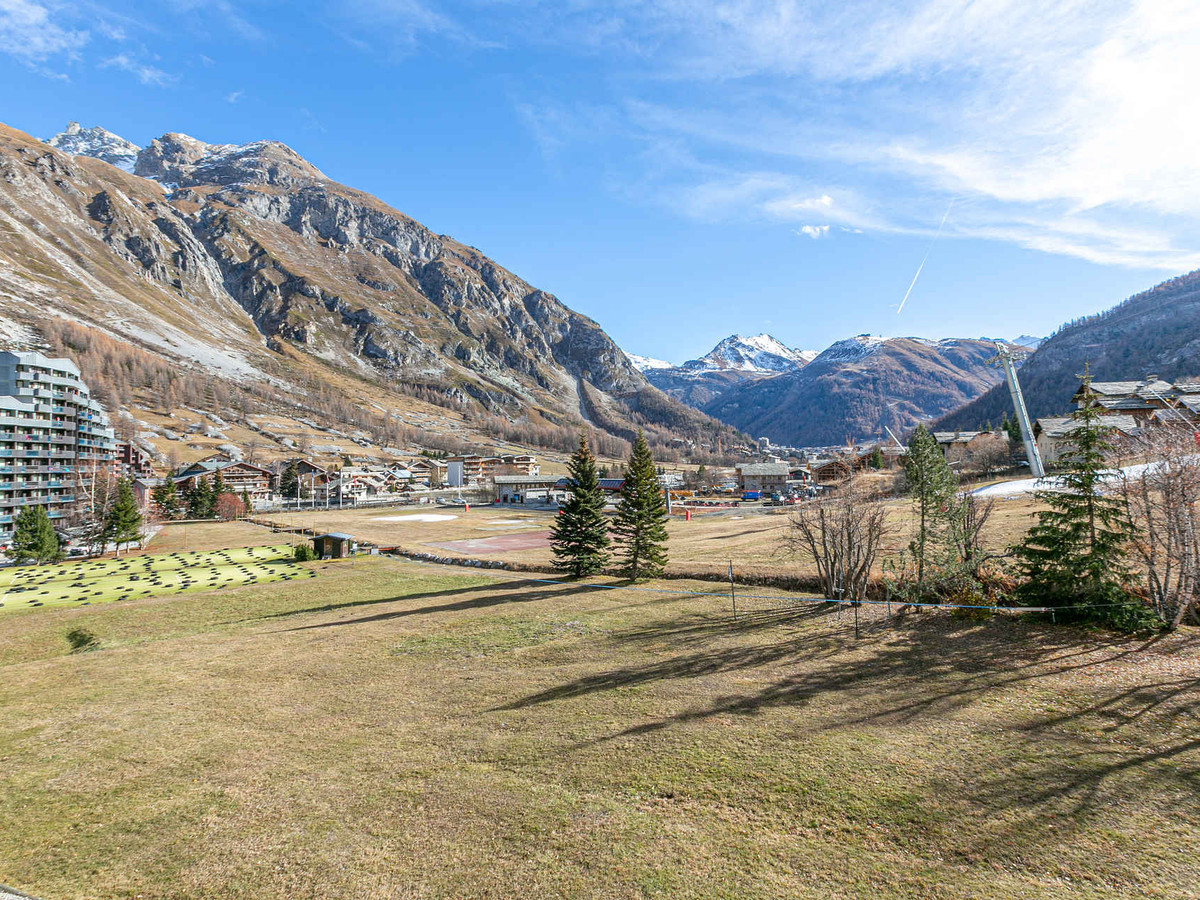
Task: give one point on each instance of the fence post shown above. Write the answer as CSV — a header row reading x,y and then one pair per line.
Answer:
x,y
732,595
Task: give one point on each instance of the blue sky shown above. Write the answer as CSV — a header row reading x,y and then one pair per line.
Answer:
x,y
680,170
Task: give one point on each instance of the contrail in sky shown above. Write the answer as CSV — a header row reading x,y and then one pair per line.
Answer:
x,y
900,308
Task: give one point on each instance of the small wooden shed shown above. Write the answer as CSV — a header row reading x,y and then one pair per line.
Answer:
x,y
334,545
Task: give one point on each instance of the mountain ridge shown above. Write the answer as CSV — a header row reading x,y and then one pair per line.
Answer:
x,y
228,254
859,385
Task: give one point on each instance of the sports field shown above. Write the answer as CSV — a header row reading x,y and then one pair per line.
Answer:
x,y
105,580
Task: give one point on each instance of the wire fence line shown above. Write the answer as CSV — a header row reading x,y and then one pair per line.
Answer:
x,y
740,597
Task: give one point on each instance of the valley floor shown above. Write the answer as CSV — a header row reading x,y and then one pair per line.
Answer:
x,y
390,729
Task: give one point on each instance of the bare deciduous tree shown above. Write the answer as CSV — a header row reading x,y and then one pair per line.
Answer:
x,y
1163,503
965,531
842,536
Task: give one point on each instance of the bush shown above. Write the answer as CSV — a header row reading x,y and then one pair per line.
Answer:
x,y
304,553
82,640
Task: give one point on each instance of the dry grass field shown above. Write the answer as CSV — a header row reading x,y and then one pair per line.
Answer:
x,y
392,730
751,538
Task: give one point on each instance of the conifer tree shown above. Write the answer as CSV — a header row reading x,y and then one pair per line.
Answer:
x,y
640,527
932,486
1013,428
34,539
288,480
123,523
579,535
1075,555
166,498
202,501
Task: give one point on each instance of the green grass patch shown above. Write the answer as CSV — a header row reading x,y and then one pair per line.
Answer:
x,y
132,577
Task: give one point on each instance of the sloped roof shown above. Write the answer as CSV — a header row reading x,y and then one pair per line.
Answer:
x,y
526,479
957,437
765,469
1060,426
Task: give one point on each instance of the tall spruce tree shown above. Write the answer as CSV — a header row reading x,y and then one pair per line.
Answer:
x,y
34,539
1075,555
640,526
289,481
123,524
166,498
579,535
932,487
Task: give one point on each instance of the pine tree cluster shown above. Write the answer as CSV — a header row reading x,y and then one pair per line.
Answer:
x,y
581,536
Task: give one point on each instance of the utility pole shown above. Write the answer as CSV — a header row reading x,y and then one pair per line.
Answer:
x,y
1014,388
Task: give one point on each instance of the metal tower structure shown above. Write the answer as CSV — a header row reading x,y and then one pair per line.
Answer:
x,y
1014,388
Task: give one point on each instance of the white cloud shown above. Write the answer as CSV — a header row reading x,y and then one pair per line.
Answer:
x,y
814,231
234,96
1070,127
28,32
399,24
146,74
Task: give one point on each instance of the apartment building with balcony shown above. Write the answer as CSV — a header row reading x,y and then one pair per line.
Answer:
x,y
53,436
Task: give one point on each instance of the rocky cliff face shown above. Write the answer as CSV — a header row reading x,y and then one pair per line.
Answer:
x,y
1155,332
225,254
857,386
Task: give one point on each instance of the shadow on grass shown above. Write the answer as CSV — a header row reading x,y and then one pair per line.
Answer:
x,y
512,593
1059,763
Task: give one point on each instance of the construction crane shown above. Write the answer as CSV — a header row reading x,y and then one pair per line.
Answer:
x,y
1005,355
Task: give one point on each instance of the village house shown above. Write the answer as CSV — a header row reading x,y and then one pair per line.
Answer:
x,y
765,477
1051,433
311,476
521,464
238,477
1148,401
965,448
132,461
357,483
431,472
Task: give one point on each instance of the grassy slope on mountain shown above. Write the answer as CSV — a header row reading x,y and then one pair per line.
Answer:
x,y
1155,332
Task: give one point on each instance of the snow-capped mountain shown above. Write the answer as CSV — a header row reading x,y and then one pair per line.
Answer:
x,y
648,363
1029,341
98,143
759,353
733,361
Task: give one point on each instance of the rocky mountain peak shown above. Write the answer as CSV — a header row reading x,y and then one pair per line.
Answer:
x,y
757,353
98,143
183,160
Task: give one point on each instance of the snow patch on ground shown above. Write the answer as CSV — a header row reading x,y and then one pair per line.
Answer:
x,y
1025,486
